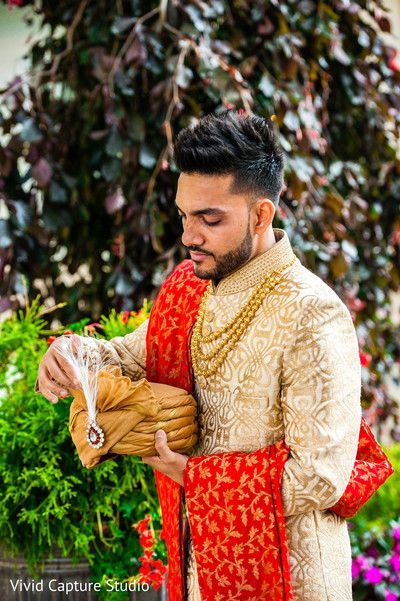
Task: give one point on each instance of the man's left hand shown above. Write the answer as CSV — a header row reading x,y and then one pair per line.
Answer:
x,y
169,463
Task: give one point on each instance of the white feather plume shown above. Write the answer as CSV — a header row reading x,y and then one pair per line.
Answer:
x,y
84,356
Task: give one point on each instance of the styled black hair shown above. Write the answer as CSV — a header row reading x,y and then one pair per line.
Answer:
x,y
234,143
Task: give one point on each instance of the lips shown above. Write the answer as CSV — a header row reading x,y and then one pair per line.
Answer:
x,y
197,256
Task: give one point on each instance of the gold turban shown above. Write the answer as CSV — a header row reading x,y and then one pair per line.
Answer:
x,y
129,413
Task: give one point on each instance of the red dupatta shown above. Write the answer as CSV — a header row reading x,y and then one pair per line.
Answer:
x,y
233,499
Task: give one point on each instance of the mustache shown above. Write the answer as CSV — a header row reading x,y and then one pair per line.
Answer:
x,y
195,249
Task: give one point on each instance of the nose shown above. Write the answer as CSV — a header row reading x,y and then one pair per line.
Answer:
x,y
191,235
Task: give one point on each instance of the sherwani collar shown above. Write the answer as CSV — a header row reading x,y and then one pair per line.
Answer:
x,y
249,274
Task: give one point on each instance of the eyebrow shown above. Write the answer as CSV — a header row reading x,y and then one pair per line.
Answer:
x,y
209,211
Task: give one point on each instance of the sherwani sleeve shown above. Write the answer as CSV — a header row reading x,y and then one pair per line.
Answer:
x,y
320,399
129,351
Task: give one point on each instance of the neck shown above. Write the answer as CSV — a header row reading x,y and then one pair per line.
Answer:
x,y
265,243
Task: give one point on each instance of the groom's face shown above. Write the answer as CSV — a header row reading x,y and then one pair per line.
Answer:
x,y
217,225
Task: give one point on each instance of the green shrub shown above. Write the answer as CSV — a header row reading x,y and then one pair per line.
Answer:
x,y
384,506
49,503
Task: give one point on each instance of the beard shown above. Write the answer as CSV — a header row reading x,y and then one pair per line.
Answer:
x,y
230,261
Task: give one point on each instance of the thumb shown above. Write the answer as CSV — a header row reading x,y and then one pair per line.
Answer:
x,y
161,445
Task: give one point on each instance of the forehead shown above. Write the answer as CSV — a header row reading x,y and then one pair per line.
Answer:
x,y
200,191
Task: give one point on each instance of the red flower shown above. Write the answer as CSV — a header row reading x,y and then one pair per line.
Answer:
x,y
144,579
395,237
356,304
68,332
145,569
152,571
365,359
142,525
125,316
147,555
158,564
51,339
393,60
157,580
146,539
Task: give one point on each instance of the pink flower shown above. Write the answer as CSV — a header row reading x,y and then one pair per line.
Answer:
x,y
396,533
355,569
373,575
91,327
395,562
390,596
359,563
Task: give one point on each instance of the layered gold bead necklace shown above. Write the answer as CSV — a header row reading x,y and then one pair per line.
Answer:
x,y
233,329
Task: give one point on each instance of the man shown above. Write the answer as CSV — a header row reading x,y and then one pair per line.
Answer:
x,y
273,351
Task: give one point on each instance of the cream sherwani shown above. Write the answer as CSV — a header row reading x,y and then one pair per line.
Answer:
x,y
294,374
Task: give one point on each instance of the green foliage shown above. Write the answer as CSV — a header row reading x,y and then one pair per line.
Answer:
x,y
50,503
384,505
120,324
85,153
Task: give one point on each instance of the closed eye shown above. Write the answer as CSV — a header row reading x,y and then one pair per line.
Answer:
x,y
211,223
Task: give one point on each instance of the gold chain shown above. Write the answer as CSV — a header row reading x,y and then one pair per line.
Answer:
x,y
233,329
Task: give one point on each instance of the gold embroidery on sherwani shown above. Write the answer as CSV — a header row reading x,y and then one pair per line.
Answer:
x,y
295,374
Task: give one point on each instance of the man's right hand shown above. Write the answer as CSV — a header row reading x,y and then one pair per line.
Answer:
x,y
55,374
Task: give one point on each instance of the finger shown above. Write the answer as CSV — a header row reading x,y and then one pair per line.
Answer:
x,y
152,461
45,385
49,395
59,371
57,387
48,388
162,447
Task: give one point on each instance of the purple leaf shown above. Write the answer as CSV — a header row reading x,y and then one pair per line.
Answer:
x,y
42,172
114,202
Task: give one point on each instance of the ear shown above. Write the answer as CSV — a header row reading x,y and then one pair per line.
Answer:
x,y
264,214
